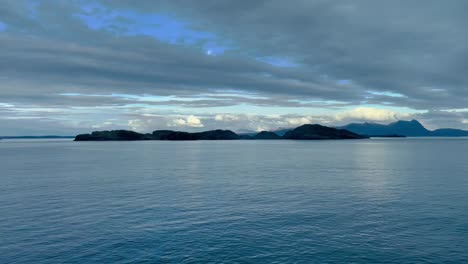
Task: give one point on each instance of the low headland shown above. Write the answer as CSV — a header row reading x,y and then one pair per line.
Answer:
x,y
304,132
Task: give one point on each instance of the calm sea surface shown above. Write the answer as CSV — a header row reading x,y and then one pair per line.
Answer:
x,y
365,201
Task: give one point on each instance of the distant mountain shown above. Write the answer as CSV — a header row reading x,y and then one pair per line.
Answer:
x,y
320,132
449,132
281,131
266,135
246,132
402,128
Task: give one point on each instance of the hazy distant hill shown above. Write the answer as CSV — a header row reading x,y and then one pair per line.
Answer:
x,y
449,132
403,128
243,131
281,131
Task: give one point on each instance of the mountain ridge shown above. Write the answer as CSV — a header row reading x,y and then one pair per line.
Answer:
x,y
412,128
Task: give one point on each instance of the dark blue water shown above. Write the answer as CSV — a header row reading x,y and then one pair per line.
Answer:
x,y
367,201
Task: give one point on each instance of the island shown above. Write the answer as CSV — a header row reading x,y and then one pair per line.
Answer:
x,y
304,132
316,132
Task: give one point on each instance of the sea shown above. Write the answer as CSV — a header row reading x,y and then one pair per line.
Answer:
x,y
387,200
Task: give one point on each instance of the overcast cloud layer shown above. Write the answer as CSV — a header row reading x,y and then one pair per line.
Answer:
x,y
73,66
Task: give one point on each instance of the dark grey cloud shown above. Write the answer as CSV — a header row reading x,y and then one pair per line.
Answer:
x,y
359,53
409,47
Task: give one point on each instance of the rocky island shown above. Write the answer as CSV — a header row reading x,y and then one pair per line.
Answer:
x,y
305,132
316,132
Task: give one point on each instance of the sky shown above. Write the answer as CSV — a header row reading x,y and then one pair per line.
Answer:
x,y
75,66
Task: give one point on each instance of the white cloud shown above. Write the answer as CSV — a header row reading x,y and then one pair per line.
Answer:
x,y
260,128
226,117
370,114
137,124
5,105
458,110
260,122
190,121
103,125
298,121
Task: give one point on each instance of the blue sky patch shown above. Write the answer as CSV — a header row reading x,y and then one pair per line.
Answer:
x,y
3,26
159,26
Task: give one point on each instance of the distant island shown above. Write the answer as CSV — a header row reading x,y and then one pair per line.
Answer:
x,y
35,137
304,132
401,128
